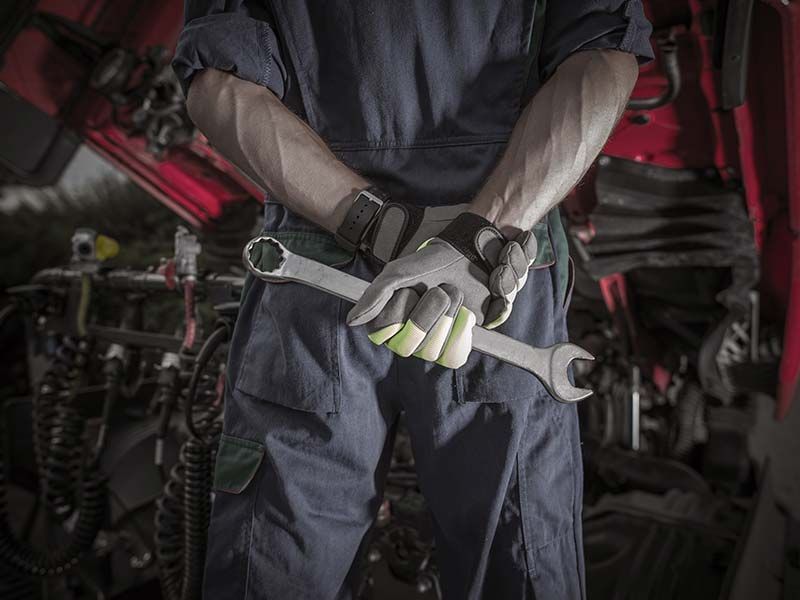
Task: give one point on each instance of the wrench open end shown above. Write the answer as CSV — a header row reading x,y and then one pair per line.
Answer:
x,y
269,253
560,359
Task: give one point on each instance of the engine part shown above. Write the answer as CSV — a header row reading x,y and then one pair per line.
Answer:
x,y
654,217
668,53
184,510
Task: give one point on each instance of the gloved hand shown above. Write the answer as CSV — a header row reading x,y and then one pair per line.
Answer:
x,y
427,303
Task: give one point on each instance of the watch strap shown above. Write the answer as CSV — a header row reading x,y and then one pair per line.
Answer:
x,y
362,213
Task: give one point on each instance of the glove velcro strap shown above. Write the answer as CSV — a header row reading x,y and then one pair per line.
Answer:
x,y
476,238
394,226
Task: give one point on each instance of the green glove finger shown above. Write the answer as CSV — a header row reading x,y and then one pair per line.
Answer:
x,y
426,313
394,314
459,342
433,345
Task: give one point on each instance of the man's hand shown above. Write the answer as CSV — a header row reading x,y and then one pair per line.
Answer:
x,y
427,303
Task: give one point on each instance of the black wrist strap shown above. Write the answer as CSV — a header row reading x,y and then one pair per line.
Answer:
x,y
476,238
358,219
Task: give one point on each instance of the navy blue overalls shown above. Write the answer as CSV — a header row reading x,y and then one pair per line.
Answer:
x,y
420,96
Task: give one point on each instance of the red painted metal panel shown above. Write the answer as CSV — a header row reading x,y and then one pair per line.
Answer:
x,y
789,15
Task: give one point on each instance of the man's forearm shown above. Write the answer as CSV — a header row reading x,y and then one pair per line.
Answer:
x,y
557,137
254,130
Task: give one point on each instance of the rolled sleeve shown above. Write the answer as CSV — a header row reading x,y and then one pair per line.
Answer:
x,y
593,25
233,41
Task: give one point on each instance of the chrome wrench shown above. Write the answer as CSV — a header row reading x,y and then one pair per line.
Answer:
x,y
549,365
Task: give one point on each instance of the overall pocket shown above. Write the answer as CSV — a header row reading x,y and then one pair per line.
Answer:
x,y
289,332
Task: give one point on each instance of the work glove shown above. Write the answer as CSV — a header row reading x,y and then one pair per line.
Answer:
x,y
426,303
401,228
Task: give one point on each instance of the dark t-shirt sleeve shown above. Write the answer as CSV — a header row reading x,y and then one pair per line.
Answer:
x,y
574,25
229,35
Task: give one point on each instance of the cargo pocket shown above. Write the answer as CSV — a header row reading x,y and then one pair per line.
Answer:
x,y
238,461
230,533
290,332
485,379
550,483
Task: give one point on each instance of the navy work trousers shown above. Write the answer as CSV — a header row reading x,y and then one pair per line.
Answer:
x,y
310,410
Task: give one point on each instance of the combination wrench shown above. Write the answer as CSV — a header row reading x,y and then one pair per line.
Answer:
x,y
549,365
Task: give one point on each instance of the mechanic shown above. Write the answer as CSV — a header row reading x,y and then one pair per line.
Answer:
x,y
425,145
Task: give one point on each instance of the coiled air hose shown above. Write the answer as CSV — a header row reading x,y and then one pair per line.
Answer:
x,y
199,460
184,509
58,445
169,533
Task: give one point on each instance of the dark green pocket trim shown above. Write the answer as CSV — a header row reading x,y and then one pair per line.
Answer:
x,y
321,247
237,463
545,255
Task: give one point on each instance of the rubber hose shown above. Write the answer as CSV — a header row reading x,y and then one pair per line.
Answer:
x,y
23,558
169,534
56,427
672,70
197,513
183,511
59,429
218,337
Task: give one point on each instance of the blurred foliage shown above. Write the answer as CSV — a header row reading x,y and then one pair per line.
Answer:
x,y
37,232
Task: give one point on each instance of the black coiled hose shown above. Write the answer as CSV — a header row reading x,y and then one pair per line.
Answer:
x,y
58,444
63,461
58,428
197,513
184,510
169,534
93,494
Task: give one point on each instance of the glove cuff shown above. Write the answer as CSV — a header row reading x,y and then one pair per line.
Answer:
x,y
476,238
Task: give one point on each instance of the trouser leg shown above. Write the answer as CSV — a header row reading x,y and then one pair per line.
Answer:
x,y
499,463
304,393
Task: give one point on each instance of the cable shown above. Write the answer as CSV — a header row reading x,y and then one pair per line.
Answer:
x,y
197,513
169,534
218,337
58,435
184,509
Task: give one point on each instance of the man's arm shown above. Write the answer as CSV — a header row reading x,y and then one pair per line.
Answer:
x,y
250,126
556,139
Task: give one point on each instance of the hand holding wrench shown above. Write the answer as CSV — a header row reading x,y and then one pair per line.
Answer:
x,y
549,365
